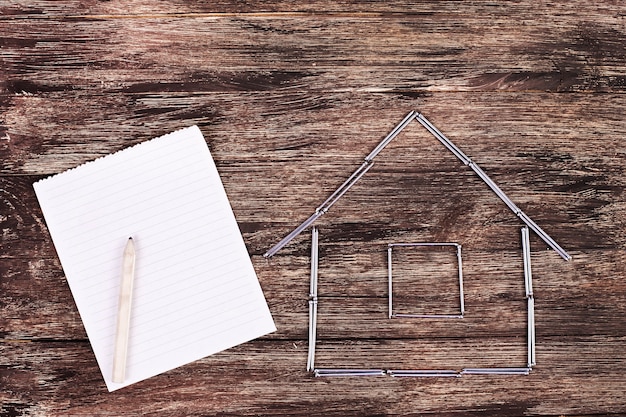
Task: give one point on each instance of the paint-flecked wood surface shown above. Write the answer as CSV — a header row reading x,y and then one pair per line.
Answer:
x,y
290,97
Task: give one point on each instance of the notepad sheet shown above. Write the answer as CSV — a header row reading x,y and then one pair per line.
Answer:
x,y
195,291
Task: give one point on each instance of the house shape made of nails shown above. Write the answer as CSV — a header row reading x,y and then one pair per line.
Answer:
x,y
353,179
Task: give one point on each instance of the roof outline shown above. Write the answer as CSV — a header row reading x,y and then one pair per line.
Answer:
x,y
369,162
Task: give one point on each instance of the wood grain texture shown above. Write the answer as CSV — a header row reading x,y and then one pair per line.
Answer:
x,y
310,53
290,97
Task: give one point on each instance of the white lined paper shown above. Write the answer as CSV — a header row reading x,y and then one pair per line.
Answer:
x,y
195,293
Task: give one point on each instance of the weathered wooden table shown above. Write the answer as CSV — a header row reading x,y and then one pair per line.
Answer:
x,y
290,97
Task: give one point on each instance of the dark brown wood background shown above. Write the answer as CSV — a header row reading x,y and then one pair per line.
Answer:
x,y
290,97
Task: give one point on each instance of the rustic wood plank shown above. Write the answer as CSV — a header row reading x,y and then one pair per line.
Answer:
x,y
500,131
42,387
432,52
524,10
